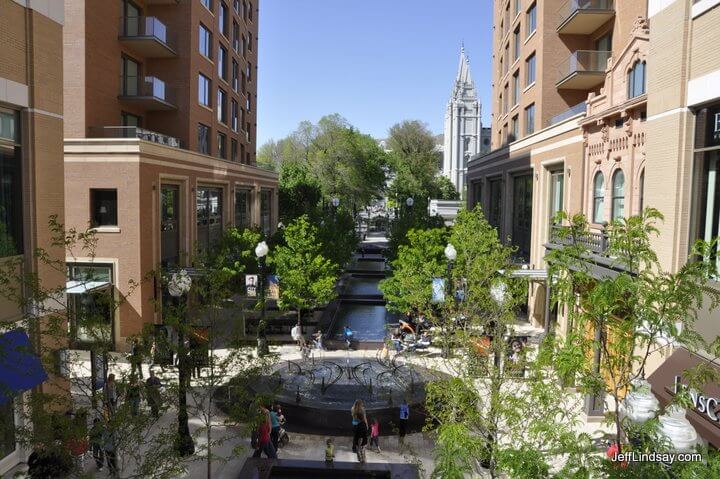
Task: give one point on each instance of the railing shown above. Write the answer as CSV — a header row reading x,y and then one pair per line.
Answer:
x,y
569,8
146,27
595,241
570,112
133,132
590,61
148,87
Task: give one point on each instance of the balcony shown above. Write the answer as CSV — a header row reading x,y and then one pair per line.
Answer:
x,y
583,17
161,2
146,36
583,70
150,93
569,113
594,241
133,132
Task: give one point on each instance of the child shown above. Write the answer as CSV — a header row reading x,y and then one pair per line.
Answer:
x,y
375,434
329,451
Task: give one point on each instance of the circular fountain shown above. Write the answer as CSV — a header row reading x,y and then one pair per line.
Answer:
x,y
317,394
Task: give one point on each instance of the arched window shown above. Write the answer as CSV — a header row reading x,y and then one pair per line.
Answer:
x,y
636,79
642,191
599,198
618,195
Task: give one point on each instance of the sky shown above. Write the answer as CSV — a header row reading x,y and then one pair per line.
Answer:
x,y
375,62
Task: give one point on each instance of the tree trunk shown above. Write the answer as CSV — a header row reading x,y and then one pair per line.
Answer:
x,y
209,449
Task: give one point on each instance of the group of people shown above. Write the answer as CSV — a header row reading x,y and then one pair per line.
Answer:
x,y
266,437
299,338
134,393
361,429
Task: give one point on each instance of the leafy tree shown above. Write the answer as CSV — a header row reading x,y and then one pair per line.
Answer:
x,y
307,278
269,155
445,189
618,322
300,191
409,219
337,235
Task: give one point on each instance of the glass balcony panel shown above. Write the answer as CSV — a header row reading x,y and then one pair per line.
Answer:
x,y
147,36
583,70
151,92
583,17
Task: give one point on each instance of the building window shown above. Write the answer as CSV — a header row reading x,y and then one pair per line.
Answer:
x,y
222,62
266,211
222,106
530,119
233,149
223,19
236,37
11,216
90,303
530,70
244,46
242,153
234,115
236,6
209,202
242,208
221,146
249,72
250,11
515,131
636,80
557,193
205,37
203,139
516,87
235,81
495,203
208,4
516,6
599,198
204,90
128,119
522,215
507,56
169,226
641,186
130,77
8,441
250,41
618,195
531,19
103,207
505,98
516,43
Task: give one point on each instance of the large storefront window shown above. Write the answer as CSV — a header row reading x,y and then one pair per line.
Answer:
x,y
209,217
170,226
557,193
706,187
11,223
90,303
266,211
7,429
495,204
242,209
522,215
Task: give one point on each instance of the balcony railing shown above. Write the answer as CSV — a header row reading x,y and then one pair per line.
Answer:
x,y
570,112
583,17
150,92
133,132
595,241
583,70
148,36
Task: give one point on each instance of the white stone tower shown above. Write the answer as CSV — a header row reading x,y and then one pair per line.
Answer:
x,y
462,126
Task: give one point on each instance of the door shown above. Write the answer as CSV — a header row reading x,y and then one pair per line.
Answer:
x,y
522,215
170,226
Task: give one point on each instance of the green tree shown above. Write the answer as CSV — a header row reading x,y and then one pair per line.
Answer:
x,y
337,234
445,190
300,191
307,278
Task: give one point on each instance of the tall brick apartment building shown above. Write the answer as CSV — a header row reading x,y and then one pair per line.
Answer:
x,y
159,141
31,169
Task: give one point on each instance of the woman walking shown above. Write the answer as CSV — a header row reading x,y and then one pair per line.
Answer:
x,y
360,429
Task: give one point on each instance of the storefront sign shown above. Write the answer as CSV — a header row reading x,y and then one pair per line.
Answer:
x,y
716,131
707,405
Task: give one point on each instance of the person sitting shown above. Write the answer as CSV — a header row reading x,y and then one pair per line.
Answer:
x,y
317,339
397,341
407,328
423,342
348,334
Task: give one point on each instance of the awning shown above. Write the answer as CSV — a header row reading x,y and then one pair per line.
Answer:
x,y
20,367
81,287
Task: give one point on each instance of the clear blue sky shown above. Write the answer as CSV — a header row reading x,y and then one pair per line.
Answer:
x,y
376,62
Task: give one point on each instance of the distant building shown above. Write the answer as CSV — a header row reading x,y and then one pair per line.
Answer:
x,y
462,126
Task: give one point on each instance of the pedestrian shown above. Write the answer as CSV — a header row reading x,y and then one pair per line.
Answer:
x,y
360,429
297,336
280,415
329,451
152,391
136,359
111,394
96,443
275,427
375,434
110,450
404,416
348,334
133,396
264,443
318,337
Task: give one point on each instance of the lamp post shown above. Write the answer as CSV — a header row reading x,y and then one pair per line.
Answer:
x,y
677,429
451,255
639,405
178,286
261,251
409,202
335,202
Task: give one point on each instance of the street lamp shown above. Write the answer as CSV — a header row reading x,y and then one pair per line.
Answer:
x,y
640,404
410,202
261,251
335,202
677,429
451,255
178,286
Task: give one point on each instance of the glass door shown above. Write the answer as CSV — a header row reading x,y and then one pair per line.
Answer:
x,y
169,226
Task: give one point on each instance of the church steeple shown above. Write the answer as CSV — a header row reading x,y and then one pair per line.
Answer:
x,y
464,85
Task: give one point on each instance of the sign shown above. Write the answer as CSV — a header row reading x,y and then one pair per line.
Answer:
x,y
716,130
98,367
273,287
707,405
438,290
251,281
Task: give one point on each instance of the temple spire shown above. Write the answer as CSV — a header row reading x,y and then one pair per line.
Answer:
x,y
464,81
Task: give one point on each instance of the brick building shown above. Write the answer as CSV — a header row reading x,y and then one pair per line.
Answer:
x,y
159,141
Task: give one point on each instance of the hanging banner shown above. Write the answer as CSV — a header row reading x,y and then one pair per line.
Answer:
x,y
438,290
251,281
